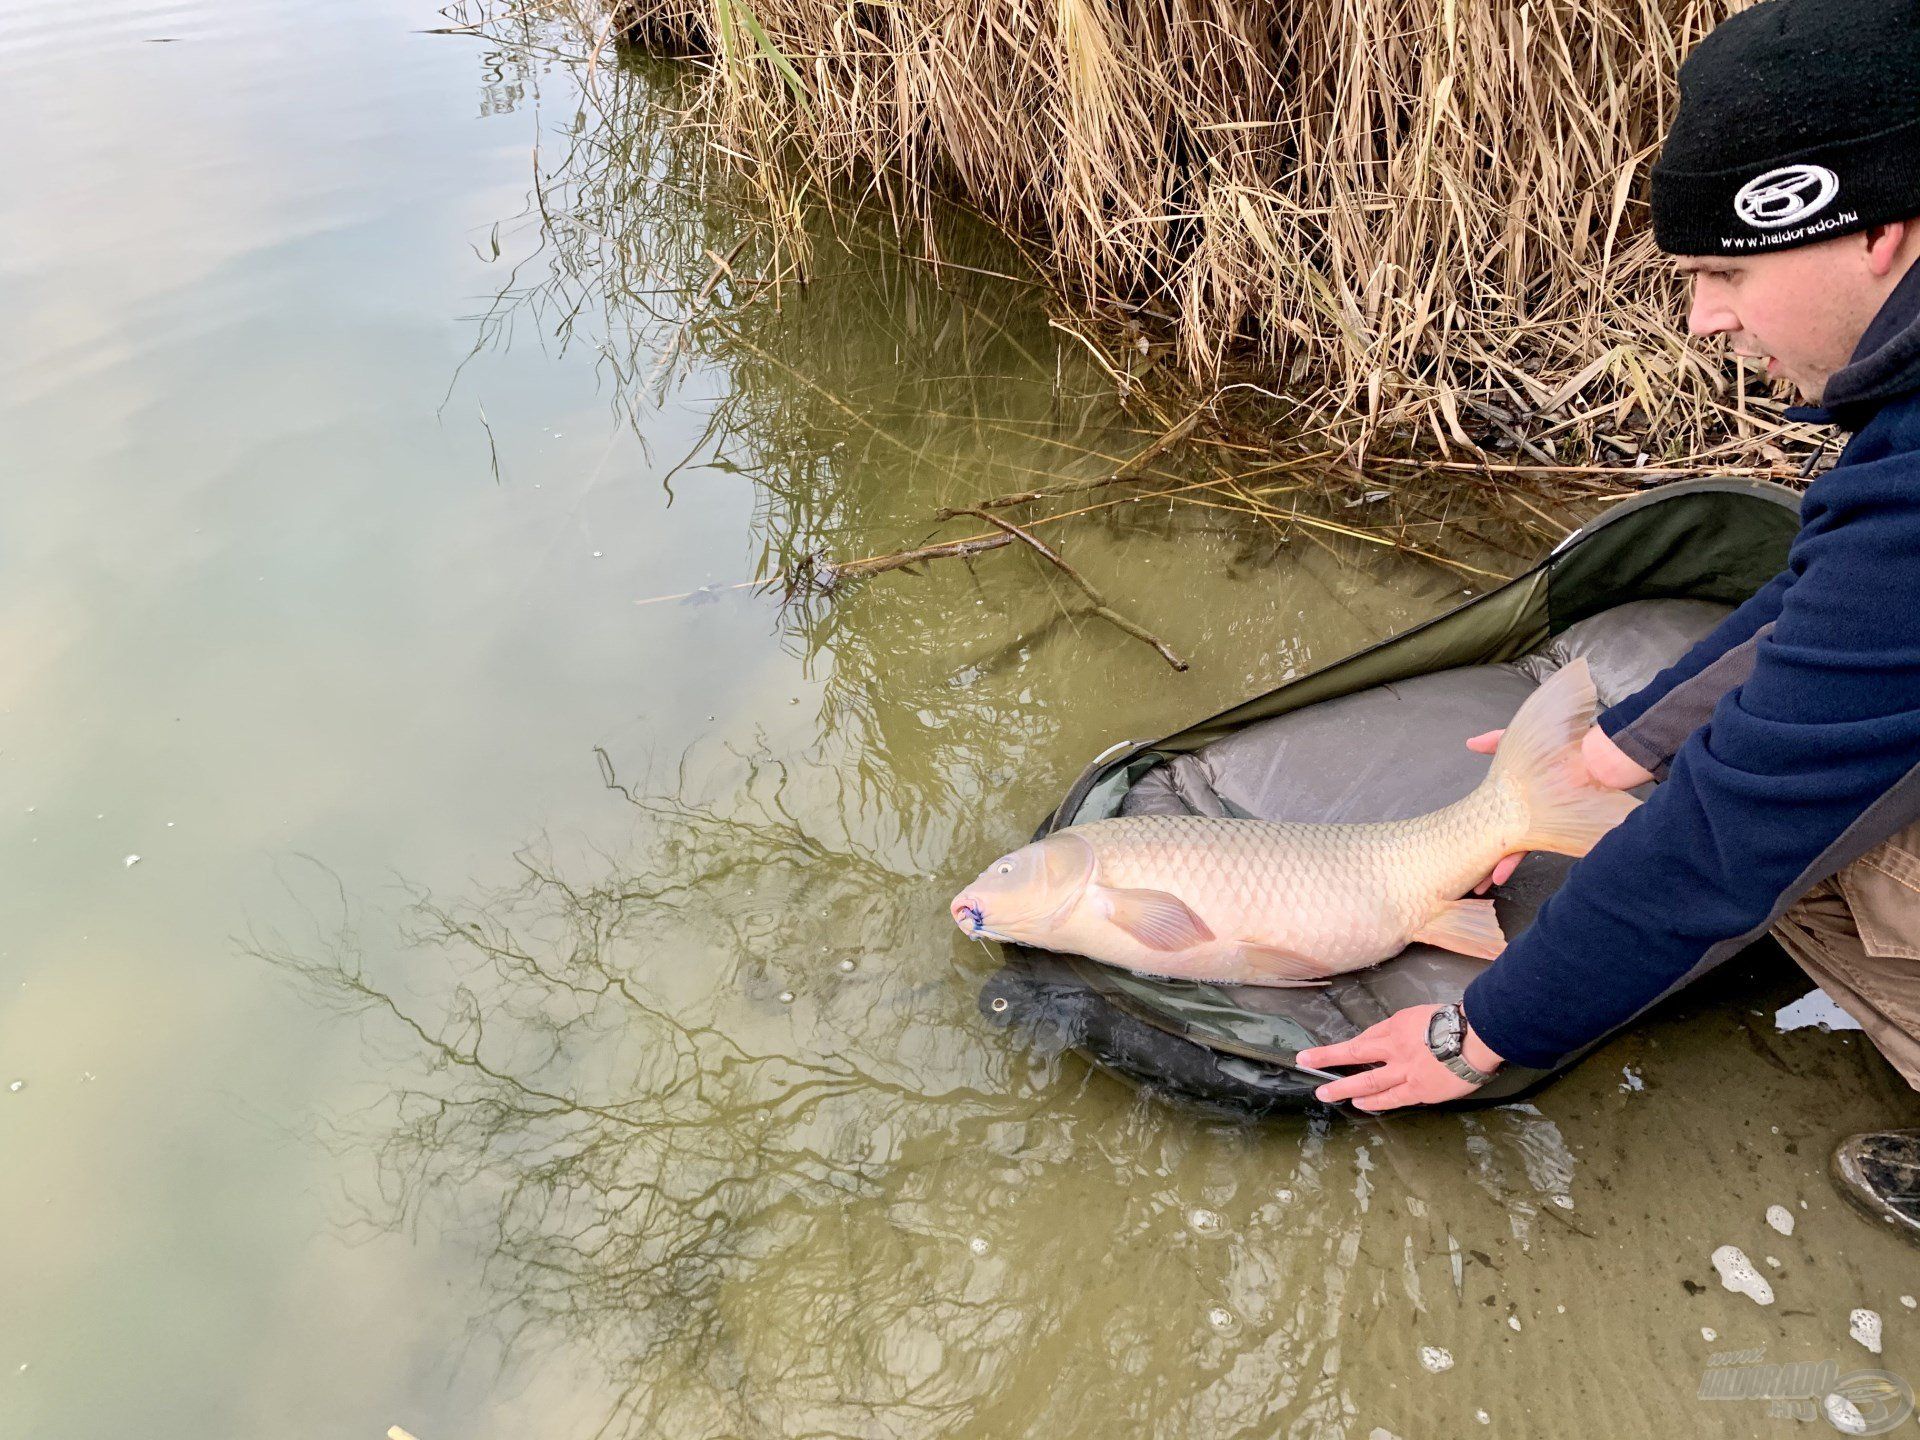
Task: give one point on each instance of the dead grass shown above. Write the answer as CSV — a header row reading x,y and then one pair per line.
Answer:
x,y
1422,220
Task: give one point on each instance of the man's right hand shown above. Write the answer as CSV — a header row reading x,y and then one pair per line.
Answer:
x,y
1607,765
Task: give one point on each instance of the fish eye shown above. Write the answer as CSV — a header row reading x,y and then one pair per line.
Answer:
x,y
1005,867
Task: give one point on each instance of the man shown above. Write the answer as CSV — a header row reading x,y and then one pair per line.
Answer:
x,y
1788,742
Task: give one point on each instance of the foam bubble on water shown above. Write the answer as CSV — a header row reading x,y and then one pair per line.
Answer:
x,y
978,1245
1483,1417
1709,1334
1864,1326
1773,1263
786,997
846,965
1223,1320
1434,1359
17,1086
1844,1415
1283,1195
1738,1275
131,861
1780,1218
1909,1301
1513,1322
1205,1222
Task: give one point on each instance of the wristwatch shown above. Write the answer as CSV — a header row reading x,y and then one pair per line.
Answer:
x,y
1446,1034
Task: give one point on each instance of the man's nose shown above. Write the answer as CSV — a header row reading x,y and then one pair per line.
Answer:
x,y
1710,316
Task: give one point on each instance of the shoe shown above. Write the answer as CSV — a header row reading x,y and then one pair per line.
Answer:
x,y
1879,1174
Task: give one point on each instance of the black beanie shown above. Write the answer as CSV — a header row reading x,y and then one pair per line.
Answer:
x,y
1799,121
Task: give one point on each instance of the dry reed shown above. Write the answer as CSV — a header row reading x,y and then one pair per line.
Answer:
x,y
1419,220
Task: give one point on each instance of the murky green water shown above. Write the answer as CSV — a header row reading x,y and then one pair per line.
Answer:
x,y
413,1075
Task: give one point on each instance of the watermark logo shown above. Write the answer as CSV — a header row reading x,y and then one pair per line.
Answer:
x,y
1786,196
1733,244
1860,1402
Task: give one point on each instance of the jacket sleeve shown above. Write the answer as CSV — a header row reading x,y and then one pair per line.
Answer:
x,y
1651,724
1826,722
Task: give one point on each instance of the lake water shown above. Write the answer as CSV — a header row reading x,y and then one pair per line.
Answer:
x,y
471,960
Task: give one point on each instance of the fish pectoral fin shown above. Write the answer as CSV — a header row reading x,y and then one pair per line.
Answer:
x,y
1156,919
1274,966
1466,927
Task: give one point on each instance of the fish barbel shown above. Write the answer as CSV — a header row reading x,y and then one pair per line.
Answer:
x,y
1259,902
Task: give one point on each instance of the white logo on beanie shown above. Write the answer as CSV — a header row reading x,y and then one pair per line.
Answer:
x,y
1785,196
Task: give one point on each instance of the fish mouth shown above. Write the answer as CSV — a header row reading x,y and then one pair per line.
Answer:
x,y
972,920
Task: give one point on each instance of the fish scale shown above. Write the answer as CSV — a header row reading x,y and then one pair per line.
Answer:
x,y
1350,893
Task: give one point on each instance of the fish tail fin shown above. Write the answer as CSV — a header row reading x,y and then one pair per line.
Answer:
x,y
1539,756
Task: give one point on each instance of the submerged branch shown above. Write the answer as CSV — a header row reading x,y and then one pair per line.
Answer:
x,y
1100,607
828,574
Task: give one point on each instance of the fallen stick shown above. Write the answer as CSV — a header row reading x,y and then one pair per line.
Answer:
x,y
974,544
947,550
1100,607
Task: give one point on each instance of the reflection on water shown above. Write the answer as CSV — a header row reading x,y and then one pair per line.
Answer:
x,y
445,528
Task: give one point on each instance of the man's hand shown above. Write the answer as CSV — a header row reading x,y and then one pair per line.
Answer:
x,y
1607,765
1406,1072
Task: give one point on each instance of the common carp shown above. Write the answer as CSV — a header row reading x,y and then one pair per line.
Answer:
x,y
1258,902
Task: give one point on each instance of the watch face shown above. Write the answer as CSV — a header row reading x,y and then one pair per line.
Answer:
x,y
1443,1033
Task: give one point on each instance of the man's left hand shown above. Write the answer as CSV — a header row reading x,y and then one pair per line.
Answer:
x,y
1404,1071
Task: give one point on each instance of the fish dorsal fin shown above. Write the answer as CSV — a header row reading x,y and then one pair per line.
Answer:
x,y
1156,919
1467,927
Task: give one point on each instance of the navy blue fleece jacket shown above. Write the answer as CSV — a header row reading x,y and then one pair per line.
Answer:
x,y
1823,725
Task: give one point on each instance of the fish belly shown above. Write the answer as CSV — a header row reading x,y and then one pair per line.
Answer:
x,y
1337,897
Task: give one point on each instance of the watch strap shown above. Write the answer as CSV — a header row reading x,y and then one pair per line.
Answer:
x,y
1459,1066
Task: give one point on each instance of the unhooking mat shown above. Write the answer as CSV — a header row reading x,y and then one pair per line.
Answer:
x,y
1380,754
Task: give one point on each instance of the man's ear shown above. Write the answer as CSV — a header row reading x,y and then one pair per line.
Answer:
x,y
1888,245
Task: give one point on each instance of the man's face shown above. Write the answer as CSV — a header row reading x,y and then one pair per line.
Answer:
x,y
1802,310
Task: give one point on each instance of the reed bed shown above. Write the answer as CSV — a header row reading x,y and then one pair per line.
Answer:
x,y
1420,222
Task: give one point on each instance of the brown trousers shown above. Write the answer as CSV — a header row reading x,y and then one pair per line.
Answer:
x,y
1857,934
